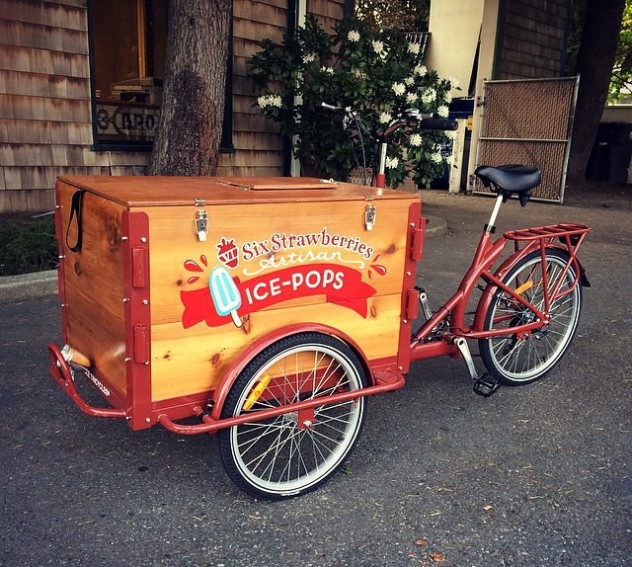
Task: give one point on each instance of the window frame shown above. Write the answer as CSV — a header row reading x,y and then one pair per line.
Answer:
x,y
226,142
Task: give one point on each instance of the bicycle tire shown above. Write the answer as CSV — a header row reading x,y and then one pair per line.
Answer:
x,y
281,457
521,360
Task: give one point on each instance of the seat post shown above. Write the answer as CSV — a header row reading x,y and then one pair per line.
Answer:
x,y
490,226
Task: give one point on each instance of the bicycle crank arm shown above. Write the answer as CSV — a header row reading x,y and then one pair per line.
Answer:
x,y
484,384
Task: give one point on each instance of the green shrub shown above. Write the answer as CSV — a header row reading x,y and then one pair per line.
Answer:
x,y
27,245
378,73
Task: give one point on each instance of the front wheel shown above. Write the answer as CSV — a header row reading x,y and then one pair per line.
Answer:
x,y
522,358
292,453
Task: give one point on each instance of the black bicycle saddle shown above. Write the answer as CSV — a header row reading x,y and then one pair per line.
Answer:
x,y
509,179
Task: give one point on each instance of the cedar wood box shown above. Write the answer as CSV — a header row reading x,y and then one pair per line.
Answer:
x,y
285,254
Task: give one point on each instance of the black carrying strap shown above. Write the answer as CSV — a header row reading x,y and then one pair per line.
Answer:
x,y
76,209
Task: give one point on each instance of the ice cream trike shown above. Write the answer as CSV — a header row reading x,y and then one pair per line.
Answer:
x,y
268,309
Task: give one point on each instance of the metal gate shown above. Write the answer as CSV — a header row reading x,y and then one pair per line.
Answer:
x,y
529,122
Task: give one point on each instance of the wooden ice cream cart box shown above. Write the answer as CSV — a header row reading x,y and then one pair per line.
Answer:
x,y
170,285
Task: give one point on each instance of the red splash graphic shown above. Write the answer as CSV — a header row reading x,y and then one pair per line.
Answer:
x,y
193,266
378,268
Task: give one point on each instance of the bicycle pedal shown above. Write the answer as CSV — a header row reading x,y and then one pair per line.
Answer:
x,y
485,385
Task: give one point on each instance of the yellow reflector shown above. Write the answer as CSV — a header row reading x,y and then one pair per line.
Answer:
x,y
524,287
256,392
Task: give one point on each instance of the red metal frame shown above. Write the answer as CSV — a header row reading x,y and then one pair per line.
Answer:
x,y
138,318
63,374
571,237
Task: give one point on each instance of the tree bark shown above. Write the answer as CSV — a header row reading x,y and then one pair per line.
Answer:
x,y
190,126
595,59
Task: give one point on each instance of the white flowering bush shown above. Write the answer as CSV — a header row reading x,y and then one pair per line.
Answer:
x,y
378,74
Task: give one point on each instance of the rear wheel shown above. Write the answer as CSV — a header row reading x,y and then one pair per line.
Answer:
x,y
293,453
522,358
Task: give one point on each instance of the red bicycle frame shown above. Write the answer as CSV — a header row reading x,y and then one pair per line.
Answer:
x,y
426,342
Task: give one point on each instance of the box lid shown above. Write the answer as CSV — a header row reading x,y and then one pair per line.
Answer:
x,y
186,191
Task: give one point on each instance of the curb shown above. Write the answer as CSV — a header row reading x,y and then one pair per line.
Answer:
x,y
40,284
27,286
435,226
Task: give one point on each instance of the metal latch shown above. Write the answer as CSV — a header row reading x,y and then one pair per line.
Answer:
x,y
369,216
201,225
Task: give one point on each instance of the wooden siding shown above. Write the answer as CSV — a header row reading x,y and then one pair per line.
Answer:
x,y
258,146
533,39
45,113
45,110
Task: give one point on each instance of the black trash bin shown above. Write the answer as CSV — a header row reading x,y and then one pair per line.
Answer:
x,y
611,153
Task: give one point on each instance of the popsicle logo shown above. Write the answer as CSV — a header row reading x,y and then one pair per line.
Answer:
x,y
229,296
225,295
280,267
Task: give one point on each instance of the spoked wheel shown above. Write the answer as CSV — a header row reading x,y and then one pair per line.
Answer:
x,y
523,358
291,454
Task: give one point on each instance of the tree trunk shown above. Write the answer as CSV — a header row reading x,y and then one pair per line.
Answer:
x,y
190,126
594,63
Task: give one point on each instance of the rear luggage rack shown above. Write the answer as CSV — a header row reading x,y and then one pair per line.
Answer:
x,y
549,231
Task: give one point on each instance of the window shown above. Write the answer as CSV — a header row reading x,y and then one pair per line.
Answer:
x,y
128,40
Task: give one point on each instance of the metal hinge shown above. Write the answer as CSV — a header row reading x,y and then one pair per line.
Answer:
x,y
141,344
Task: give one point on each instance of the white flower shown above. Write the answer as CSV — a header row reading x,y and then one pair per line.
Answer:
x,y
385,118
437,157
409,81
415,140
429,96
411,98
392,163
378,47
420,70
414,48
399,89
454,82
328,70
309,57
448,98
270,100
353,36
443,111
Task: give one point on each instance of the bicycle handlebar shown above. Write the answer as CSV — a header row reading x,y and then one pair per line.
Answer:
x,y
423,121
329,106
438,124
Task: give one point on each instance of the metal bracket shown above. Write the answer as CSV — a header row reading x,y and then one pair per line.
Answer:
x,y
369,216
201,225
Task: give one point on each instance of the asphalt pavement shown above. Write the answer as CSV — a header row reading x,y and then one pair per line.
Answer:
x,y
539,475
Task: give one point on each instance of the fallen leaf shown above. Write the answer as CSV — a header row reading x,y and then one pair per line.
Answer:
x,y
488,507
422,542
438,557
